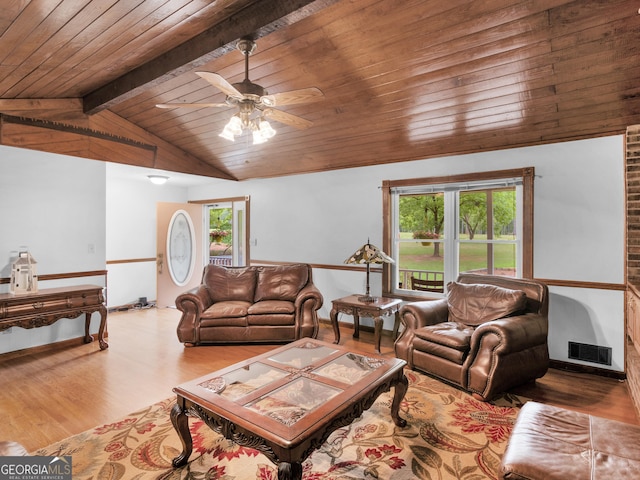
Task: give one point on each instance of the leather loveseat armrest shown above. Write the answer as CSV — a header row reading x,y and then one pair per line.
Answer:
x,y
192,303
415,315
307,303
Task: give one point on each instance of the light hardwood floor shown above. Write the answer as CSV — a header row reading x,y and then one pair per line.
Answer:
x,y
48,395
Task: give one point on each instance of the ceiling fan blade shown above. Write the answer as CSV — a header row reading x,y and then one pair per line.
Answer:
x,y
287,118
220,83
190,105
304,95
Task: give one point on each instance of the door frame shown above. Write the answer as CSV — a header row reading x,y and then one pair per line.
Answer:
x,y
247,223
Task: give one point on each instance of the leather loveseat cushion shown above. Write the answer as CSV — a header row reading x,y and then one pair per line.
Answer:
x,y
230,283
475,304
227,309
281,283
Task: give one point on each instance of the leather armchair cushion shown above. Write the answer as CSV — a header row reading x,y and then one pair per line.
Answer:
x,y
281,283
230,283
475,304
448,340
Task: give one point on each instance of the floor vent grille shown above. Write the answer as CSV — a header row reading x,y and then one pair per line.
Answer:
x,y
590,353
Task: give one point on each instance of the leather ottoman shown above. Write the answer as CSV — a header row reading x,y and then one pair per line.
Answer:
x,y
551,443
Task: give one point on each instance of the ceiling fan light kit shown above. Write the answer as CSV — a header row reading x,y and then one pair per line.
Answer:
x,y
254,103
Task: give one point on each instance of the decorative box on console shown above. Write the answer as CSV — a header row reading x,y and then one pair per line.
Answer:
x,y
24,278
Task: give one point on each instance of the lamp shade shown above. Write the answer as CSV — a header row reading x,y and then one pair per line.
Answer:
x,y
369,253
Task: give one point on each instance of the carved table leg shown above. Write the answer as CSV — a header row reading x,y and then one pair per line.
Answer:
x,y
334,322
180,422
396,325
356,324
400,389
289,471
377,332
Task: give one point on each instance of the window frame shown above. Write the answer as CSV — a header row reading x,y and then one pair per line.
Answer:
x,y
527,175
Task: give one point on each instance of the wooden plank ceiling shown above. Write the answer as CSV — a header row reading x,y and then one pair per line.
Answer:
x,y
401,80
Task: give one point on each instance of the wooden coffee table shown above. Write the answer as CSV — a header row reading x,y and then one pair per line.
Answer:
x,y
287,402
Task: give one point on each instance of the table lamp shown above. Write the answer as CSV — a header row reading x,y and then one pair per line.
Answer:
x,y
369,254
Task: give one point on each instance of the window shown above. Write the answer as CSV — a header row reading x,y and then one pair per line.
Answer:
x,y
437,228
226,222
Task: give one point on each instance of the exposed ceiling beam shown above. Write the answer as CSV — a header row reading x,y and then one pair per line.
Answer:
x,y
257,20
56,109
30,104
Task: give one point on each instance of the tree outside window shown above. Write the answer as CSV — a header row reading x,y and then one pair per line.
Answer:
x,y
453,228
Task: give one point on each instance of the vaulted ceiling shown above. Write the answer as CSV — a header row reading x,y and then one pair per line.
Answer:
x,y
401,80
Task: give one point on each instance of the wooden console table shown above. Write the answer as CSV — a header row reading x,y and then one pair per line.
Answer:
x,y
49,305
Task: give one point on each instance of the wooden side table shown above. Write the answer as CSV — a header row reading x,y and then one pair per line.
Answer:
x,y
352,306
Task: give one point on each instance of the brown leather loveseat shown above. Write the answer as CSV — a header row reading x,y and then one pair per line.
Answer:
x,y
250,304
487,336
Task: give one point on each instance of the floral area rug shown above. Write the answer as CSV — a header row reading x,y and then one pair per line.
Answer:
x,y
449,436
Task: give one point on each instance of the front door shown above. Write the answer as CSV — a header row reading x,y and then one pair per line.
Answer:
x,y
179,250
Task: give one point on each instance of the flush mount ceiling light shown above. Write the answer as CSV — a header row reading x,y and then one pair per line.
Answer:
x,y
158,179
254,103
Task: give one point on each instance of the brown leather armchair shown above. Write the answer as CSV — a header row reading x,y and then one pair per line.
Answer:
x,y
487,336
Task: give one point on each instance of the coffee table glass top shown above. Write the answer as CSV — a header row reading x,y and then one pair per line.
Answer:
x,y
290,383
349,368
243,381
302,356
293,401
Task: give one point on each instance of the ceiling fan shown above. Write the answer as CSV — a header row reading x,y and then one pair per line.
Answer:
x,y
253,101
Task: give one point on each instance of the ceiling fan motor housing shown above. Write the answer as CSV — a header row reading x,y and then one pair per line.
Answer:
x,y
250,89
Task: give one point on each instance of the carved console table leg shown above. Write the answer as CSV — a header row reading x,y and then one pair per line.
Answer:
x,y
400,389
289,471
180,422
87,323
103,324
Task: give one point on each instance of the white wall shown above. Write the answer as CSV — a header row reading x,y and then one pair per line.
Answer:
x,y
322,218
63,207
131,232
579,226
55,206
